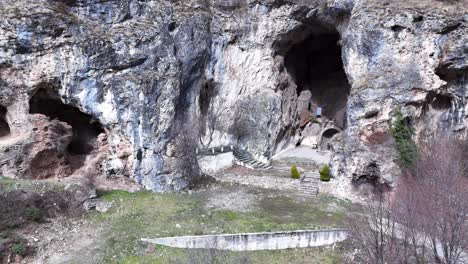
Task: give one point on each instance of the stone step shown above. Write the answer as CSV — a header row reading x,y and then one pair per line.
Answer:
x,y
309,191
248,160
243,157
308,186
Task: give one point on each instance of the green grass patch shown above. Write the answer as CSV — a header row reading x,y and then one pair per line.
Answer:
x,y
147,215
39,186
201,256
8,184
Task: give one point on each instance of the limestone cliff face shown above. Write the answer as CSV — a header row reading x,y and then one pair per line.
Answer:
x,y
144,83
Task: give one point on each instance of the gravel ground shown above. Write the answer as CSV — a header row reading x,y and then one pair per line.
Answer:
x,y
237,200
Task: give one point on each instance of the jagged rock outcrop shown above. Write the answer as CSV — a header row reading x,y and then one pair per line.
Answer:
x,y
159,78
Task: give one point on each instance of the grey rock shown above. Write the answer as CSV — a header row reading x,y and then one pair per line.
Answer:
x,y
97,204
147,71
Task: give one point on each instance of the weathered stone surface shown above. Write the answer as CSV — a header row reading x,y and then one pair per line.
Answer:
x,y
256,241
210,164
158,76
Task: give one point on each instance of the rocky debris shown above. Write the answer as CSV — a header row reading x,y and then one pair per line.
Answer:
x,y
24,205
62,240
147,72
29,208
117,183
44,154
98,204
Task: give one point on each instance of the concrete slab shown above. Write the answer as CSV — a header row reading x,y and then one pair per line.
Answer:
x,y
319,156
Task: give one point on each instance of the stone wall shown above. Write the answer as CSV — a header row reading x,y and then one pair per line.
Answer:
x,y
215,163
256,241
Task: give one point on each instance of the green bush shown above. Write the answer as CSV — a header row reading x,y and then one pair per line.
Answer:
x,y
19,248
33,214
295,172
403,133
325,173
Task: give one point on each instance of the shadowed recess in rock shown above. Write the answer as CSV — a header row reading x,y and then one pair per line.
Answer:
x,y
85,128
441,102
315,64
4,127
327,135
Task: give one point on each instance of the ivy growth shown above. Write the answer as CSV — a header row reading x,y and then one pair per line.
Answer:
x,y
403,133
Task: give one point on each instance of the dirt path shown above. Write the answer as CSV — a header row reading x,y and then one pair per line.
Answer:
x,y
321,157
63,240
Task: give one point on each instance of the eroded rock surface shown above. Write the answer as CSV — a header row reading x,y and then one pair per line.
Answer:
x,y
162,77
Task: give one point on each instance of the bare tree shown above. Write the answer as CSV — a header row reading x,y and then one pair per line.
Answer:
x,y
407,208
240,127
244,120
440,182
426,219
183,148
374,231
211,121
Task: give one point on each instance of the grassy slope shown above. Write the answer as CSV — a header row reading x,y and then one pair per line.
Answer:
x,y
38,186
145,214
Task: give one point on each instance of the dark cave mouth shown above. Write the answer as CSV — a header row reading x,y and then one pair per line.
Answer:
x,y
4,126
329,133
442,102
327,136
85,128
315,64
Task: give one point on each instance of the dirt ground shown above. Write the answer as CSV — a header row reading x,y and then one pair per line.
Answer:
x,y
238,200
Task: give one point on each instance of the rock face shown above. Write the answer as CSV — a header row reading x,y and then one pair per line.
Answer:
x,y
142,84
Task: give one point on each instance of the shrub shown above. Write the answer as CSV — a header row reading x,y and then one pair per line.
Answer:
x,y
325,173
402,132
33,214
295,172
19,248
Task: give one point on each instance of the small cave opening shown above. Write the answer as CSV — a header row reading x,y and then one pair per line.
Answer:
x,y
327,135
4,126
172,26
441,102
207,92
208,111
451,75
85,128
315,65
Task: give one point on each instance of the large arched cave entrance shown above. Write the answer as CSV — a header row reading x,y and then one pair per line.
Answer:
x,y
315,64
85,128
